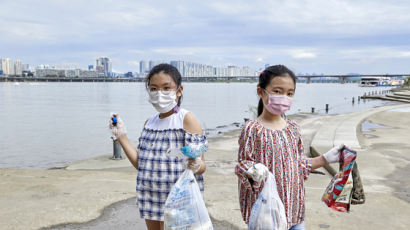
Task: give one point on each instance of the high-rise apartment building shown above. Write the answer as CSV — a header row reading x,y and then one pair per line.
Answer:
x,y
7,66
18,67
152,64
143,67
26,67
103,66
180,66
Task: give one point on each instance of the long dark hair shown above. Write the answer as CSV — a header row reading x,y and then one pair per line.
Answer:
x,y
266,77
169,70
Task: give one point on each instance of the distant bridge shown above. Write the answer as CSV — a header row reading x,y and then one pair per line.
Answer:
x,y
341,78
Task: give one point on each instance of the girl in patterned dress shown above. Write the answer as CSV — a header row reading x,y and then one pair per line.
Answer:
x,y
163,134
273,143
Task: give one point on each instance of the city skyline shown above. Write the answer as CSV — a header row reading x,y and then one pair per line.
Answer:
x,y
103,68
331,37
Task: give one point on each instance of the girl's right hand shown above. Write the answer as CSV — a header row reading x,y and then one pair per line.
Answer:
x,y
258,172
194,164
117,129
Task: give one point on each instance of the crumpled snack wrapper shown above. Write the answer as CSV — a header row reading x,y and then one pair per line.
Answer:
x,y
338,193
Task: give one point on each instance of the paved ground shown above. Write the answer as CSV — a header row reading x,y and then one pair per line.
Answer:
x,y
33,199
383,159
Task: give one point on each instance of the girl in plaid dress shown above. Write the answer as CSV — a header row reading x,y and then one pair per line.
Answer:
x,y
272,143
164,134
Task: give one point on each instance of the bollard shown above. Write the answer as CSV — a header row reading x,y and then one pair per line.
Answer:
x,y
327,108
352,100
117,150
313,109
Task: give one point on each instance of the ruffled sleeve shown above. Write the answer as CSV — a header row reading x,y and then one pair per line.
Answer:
x,y
195,139
246,158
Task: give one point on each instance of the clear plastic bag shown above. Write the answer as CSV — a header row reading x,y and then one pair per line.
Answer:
x,y
185,207
268,212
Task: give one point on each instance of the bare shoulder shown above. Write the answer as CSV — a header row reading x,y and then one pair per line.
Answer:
x,y
191,124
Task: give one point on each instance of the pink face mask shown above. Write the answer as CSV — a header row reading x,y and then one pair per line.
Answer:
x,y
278,104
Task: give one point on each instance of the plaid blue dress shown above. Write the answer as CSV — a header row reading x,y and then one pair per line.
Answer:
x,y
157,169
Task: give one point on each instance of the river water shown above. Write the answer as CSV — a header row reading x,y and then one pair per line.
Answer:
x,y
51,124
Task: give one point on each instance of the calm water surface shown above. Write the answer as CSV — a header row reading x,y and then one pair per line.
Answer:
x,y
49,124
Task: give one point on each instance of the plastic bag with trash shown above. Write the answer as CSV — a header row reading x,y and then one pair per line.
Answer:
x,y
185,207
194,150
268,211
338,194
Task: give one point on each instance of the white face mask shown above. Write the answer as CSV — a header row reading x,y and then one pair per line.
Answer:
x,y
163,101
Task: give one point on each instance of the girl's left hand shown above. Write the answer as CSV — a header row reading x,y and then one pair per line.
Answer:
x,y
194,164
333,155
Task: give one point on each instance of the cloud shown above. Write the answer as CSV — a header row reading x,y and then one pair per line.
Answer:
x,y
404,54
301,54
380,52
134,63
327,17
308,34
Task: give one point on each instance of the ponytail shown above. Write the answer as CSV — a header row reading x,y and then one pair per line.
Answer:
x,y
179,101
260,107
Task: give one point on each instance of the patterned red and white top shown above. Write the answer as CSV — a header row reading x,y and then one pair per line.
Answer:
x,y
284,149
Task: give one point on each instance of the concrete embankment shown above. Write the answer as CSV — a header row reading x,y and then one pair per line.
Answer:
x,y
32,199
384,163
399,94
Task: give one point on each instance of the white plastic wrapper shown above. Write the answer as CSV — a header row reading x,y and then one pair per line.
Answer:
x,y
268,211
185,207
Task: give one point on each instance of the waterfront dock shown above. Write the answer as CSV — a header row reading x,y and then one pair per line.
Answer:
x,y
79,193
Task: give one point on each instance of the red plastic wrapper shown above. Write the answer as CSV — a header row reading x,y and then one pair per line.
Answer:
x,y
338,193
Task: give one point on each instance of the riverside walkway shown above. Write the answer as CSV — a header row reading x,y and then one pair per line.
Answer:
x,y
33,199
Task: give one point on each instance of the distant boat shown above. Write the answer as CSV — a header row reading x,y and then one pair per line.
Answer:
x,y
397,82
375,81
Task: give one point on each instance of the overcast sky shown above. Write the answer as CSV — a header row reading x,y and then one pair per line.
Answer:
x,y
321,36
